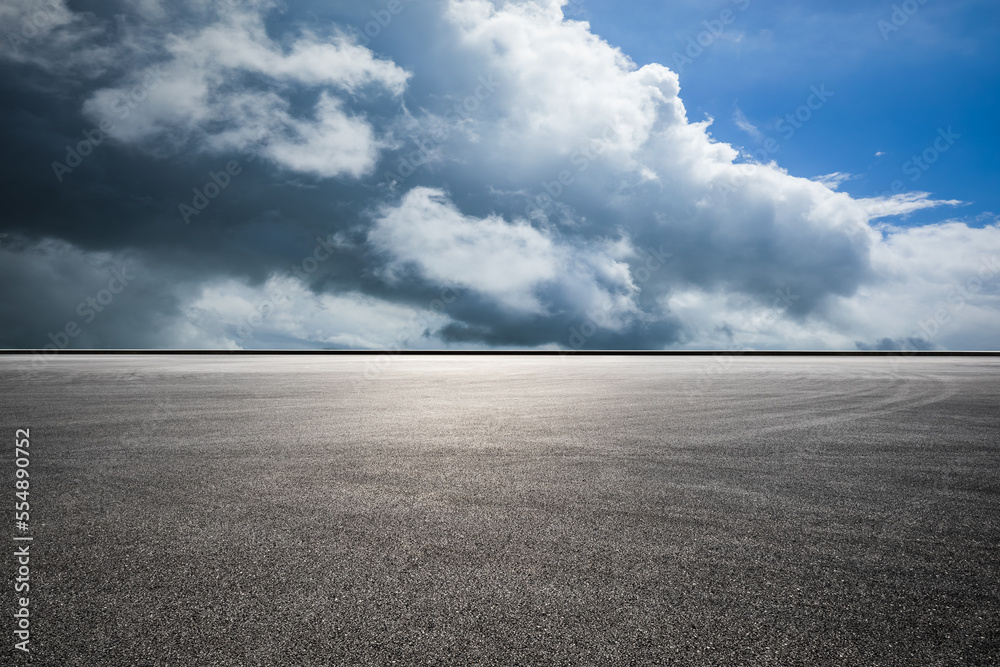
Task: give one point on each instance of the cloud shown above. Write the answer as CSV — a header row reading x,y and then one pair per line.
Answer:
x,y
896,345
284,313
937,283
61,296
43,33
122,300
227,87
521,183
834,180
741,121
520,268
902,204
334,144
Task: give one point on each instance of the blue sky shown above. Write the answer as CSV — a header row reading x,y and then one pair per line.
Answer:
x,y
895,84
523,174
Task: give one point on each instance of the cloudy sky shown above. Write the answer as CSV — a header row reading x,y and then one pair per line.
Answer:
x,y
467,174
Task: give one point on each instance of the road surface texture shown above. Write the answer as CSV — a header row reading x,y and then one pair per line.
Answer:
x,y
476,510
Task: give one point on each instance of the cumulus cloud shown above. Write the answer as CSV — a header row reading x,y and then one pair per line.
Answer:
x,y
334,144
227,86
523,163
519,267
937,283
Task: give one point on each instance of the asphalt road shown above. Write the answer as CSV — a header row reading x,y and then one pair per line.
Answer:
x,y
508,511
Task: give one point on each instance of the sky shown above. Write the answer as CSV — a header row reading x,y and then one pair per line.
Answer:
x,y
467,174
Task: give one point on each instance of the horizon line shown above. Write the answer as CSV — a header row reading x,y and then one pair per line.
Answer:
x,y
679,353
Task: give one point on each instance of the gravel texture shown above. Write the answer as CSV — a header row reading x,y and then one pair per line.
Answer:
x,y
509,510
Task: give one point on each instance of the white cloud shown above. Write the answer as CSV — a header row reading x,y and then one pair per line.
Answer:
x,y
724,320
561,84
200,96
902,204
939,282
521,268
335,143
742,122
746,231
834,180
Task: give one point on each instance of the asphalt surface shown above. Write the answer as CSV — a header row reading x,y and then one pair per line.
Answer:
x,y
508,511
